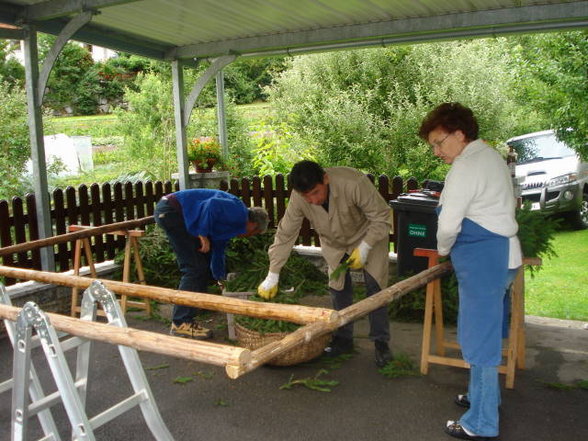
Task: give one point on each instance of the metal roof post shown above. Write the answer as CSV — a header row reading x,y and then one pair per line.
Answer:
x,y
35,121
221,118
180,122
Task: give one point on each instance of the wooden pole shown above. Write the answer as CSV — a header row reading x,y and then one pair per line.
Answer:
x,y
195,350
353,312
292,313
93,231
392,293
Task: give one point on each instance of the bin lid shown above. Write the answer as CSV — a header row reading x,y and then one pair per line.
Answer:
x,y
425,197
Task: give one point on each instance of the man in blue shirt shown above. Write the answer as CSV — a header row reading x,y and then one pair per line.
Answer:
x,y
199,223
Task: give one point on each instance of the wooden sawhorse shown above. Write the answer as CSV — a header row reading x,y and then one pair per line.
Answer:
x,y
514,351
131,250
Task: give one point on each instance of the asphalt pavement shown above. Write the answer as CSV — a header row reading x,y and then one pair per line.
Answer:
x,y
199,402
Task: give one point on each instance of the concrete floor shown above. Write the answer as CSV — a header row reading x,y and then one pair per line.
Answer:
x,y
364,406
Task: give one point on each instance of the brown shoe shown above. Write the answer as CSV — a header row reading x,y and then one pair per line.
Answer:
x,y
191,330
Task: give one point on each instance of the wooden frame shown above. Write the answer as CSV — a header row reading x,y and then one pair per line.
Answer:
x,y
514,351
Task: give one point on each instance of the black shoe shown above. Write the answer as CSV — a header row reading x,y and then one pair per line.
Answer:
x,y
383,354
454,429
339,346
462,400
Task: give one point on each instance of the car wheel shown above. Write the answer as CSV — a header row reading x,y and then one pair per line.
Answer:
x,y
580,219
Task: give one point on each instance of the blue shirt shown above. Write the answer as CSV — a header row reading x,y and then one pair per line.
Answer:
x,y
215,214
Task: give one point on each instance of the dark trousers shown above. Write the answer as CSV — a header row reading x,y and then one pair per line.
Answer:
x,y
379,321
194,265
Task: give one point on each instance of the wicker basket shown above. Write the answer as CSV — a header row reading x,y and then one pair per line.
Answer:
x,y
307,351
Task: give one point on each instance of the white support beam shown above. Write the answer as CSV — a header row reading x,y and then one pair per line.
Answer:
x,y
35,121
473,24
180,122
216,66
67,32
59,8
221,117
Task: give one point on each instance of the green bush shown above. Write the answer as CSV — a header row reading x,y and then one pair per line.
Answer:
x,y
14,140
411,307
362,108
536,234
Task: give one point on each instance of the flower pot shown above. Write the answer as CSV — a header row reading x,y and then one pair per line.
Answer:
x,y
204,166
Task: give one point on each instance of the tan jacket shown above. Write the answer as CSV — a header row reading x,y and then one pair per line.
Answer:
x,y
356,212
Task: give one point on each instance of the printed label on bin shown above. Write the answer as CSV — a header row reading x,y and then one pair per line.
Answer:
x,y
417,230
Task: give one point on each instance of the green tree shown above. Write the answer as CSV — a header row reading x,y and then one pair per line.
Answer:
x,y
362,108
554,79
247,78
148,128
72,82
14,139
11,71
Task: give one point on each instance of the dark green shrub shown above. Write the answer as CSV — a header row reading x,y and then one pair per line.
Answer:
x,y
411,307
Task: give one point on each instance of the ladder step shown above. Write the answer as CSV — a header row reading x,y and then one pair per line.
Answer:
x,y
50,400
118,409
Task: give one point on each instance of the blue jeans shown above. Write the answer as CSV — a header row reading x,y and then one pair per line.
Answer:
x,y
194,265
484,394
379,322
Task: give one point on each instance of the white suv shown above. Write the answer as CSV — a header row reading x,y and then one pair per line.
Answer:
x,y
551,176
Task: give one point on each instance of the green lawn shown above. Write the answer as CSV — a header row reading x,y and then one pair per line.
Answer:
x,y
560,288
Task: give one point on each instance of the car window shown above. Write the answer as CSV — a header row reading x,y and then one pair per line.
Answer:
x,y
541,147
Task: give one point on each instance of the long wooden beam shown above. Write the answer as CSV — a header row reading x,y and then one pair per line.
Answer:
x,y
94,231
293,313
205,352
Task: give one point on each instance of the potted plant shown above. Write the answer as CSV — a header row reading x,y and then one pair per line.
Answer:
x,y
204,153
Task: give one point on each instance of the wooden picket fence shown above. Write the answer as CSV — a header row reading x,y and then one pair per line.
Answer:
x,y
102,204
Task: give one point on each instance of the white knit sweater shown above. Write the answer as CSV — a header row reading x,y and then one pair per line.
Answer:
x,y
478,187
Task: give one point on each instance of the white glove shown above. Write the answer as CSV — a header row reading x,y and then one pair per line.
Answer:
x,y
359,256
269,287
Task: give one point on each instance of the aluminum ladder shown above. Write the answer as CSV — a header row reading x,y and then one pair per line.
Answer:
x,y
72,393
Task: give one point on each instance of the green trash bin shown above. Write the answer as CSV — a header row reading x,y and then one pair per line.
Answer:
x,y
417,228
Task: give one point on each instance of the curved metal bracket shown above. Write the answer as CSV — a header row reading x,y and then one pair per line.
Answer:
x,y
217,65
66,33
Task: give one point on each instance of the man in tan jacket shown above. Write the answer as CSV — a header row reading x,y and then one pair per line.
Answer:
x,y
353,222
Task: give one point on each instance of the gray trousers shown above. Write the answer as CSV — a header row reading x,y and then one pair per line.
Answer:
x,y
379,321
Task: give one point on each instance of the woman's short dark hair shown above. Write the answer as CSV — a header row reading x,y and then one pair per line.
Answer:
x,y
305,175
450,117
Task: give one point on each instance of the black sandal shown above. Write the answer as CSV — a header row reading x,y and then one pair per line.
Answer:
x,y
462,401
457,431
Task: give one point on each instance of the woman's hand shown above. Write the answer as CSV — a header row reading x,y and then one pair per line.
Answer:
x,y
205,247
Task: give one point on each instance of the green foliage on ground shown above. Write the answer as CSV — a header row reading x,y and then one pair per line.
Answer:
x,y
560,289
247,258
400,366
313,383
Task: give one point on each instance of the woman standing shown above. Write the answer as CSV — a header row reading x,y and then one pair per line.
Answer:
x,y
477,228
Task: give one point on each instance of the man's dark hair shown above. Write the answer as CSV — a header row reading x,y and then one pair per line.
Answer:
x,y
450,117
305,175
